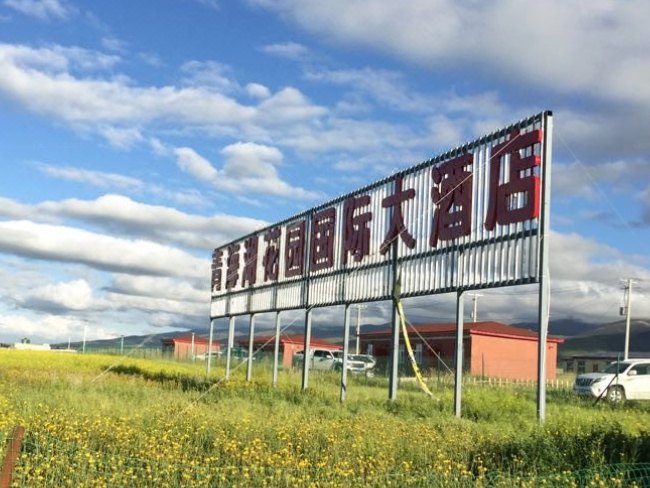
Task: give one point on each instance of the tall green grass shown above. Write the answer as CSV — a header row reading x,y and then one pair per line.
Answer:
x,y
96,420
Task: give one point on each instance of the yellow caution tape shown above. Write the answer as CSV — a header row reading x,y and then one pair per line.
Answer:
x,y
407,342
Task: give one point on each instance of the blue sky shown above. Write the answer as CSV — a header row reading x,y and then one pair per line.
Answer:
x,y
137,136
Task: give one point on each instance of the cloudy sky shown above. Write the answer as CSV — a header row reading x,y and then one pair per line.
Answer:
x,y
137,136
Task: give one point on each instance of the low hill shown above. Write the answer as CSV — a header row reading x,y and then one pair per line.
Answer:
x,y
610,337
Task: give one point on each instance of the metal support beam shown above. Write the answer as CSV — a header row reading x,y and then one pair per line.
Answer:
x,y
458,359
394,350
276,349
544,278
306,350
346,348
209,361
251,348
628,317
231,340
358,341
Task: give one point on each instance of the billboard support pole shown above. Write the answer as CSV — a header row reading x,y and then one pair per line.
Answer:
x,y
231,340
251,337
276,349
394,351
544,278
209,361
346,349
306,350
458,373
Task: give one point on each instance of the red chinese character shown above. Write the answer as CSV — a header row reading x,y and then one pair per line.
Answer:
x,y
232,272
517,199
250,261
396,226
294,250
271,260
452,195
323,225
216,270
356,233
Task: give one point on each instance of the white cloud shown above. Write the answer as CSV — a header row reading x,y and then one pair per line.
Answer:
x,y
121,137
590,64
74,295
160,304
194,164
257,90
167,288
574,257
99,179
105,180
50,328
209,74
385,87
42,9
124,216
595,179
249,168
289,50
114,44
65,244
247,159
41,80
603,49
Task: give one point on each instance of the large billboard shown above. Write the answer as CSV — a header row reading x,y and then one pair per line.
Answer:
x,y
463,220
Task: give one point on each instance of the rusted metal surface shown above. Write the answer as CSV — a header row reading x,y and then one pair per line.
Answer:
x,y
11,456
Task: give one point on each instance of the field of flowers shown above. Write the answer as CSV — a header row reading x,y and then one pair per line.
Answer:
x,y
95,420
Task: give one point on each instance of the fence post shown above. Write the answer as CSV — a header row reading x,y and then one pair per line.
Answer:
x,y
11,456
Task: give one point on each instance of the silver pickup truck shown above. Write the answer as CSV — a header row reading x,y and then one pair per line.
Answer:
x,y
332,360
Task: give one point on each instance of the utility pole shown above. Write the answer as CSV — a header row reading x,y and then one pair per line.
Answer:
x,y
475,297
628,315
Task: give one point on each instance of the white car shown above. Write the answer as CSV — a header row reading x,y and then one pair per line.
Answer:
x,y
619,381
321,359
357,363
204,356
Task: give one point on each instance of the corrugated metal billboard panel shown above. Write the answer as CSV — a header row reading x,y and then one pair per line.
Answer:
x,y
465,219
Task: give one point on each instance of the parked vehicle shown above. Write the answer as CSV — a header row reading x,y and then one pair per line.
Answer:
x,y
357,363
321,359
619,381
204,356
332,360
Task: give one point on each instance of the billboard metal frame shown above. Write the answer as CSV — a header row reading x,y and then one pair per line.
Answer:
x,y
514,253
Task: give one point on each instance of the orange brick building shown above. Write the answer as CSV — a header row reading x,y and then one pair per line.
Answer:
x,y
289,345
490,349
180,347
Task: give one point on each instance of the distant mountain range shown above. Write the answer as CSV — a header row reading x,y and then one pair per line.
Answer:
x,y
579,337
611,337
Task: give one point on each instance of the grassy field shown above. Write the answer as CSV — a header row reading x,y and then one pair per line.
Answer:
x,y
94,420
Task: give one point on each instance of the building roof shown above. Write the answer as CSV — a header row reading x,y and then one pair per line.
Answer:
x,y
187,339
486,328
293,339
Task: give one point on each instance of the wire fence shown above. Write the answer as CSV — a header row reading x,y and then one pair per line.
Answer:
x,y
64,463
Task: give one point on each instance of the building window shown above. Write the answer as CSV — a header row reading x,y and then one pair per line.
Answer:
x,y
581,367
595,368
